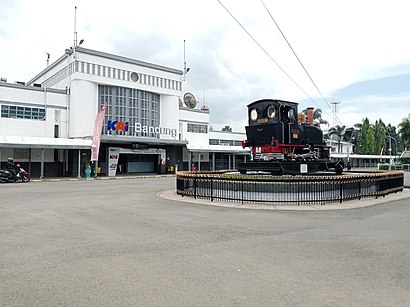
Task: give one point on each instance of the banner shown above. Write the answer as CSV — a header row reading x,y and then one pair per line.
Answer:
x,y
95,146
113,156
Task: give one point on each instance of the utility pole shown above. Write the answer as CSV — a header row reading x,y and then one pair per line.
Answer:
x,y
335,112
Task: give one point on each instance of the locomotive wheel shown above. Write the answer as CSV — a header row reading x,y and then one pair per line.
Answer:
x,y
338,169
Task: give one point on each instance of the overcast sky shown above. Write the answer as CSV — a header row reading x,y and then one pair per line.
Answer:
x,y
356,52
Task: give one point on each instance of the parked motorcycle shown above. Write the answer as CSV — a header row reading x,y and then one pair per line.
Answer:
x,y
7,176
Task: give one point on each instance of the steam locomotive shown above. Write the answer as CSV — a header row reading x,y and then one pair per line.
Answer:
x,y
283,142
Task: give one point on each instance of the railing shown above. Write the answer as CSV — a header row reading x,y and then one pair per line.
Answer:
x,y
395,167
292,190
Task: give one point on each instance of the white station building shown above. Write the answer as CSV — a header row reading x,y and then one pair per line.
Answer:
x,y
47,123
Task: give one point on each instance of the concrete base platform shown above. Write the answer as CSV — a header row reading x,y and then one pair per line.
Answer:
x,y
351,204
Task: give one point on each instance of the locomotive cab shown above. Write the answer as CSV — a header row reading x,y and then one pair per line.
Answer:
x,y
271,121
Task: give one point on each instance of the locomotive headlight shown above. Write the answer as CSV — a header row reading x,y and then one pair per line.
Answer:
x,y
271,112
254,114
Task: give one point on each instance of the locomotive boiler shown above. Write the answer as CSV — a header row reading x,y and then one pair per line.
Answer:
x,y
283,142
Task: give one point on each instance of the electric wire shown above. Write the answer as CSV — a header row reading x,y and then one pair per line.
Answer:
x,y
300,62
270,57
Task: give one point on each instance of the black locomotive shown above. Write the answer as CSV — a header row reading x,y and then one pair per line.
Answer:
x,y
283,142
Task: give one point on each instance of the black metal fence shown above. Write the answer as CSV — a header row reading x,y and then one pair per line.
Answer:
x,y
314,189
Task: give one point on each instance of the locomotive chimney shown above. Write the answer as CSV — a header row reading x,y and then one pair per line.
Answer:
x,y
310,116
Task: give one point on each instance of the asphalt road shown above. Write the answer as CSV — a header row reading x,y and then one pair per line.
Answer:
x,y
114,243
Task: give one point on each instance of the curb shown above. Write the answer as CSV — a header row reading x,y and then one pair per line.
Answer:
x,y
100,178
349,204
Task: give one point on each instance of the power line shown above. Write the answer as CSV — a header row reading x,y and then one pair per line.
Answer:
x,y
263,49
271,58
300,62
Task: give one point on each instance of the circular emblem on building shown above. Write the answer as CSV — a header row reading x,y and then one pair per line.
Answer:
x,y
134,77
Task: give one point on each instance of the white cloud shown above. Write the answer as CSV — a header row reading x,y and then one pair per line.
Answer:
x,y
339,43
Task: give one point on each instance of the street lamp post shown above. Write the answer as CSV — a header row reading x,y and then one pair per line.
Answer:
x,y
390,149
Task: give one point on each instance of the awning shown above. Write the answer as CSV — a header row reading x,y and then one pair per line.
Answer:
x,y
43,142
219,148
125,139
405,154
355,156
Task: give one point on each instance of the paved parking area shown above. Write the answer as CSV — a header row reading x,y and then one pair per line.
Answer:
x,y
115,242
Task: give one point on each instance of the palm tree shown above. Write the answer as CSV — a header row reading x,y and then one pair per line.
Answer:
x,y
356,137
404,131
338,131
317,117
227,128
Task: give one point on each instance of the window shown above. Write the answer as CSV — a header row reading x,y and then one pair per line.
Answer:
x,y
197,128
56,131
132,106
8,111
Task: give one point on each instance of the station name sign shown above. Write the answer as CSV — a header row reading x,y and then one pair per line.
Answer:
x,y
139,128
156,130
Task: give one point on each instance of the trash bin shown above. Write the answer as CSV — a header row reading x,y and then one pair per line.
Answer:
x,y
88,172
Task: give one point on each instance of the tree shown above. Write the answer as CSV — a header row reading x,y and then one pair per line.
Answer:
x,y
404,131
317,117
227,128
356,136
393,139
338,132
380,137
365,142
371,138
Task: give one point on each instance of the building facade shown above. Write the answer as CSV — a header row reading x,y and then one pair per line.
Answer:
x,y
48,122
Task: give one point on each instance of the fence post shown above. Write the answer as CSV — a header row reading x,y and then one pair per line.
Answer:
x,y
242,190
212,189
341,191
360,190
195,187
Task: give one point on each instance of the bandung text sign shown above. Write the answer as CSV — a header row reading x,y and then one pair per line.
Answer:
x,y
139,128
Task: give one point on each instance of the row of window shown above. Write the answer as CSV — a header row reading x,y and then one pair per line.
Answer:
x,y
132,106
225,142
9,111
197,128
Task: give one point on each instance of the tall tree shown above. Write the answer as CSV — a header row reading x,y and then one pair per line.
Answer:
x,y
356,137
380,137
393,139
365,142
404,131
